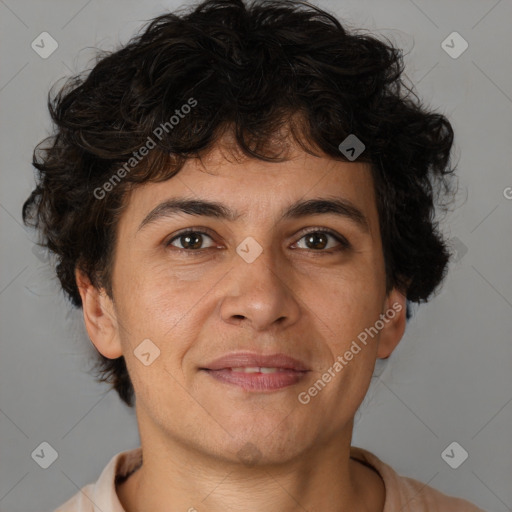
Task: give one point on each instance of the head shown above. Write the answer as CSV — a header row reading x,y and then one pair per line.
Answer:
x,y
244,106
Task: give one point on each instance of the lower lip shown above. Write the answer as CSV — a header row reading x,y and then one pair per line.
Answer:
x,y
258,381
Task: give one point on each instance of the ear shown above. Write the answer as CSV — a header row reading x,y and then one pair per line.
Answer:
x,y
99,317
395,313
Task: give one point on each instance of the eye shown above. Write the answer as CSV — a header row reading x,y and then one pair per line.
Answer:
x,y
320,239
189,240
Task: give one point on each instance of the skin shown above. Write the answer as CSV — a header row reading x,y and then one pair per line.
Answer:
x,y
308,301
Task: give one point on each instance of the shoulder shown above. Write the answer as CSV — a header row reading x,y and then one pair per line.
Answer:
x,y
80,502
409,495
102,495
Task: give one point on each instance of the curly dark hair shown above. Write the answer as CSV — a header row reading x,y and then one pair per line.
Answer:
x,y
250,69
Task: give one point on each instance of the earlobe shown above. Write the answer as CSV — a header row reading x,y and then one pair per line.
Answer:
x,y
394,327
99,317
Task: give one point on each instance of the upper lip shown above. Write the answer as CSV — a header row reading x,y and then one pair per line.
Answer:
x,y
252,360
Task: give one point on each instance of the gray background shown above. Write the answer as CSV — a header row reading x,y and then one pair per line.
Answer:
x,y
450,378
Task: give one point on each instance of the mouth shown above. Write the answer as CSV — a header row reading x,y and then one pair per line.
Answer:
x,y
250,361
256,369
257,372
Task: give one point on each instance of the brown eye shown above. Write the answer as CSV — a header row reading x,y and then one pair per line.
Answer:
x,y
320,240
189,240
316,240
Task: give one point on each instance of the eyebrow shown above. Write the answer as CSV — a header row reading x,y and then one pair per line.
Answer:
x,y
302,208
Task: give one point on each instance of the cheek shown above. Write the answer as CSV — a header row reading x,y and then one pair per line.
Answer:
x,y
155,299
351,351
166,314
347,306
153,307
346,301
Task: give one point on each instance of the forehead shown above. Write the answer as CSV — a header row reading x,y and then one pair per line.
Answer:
x,y
254,188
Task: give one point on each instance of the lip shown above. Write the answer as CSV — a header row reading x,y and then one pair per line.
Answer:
x,y
248,359
290,371
259,382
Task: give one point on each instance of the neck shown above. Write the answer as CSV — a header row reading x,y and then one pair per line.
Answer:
x,y
179,477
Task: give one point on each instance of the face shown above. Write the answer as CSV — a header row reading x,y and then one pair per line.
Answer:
x,y
260,274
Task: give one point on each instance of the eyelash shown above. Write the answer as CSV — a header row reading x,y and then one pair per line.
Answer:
x,y
204,231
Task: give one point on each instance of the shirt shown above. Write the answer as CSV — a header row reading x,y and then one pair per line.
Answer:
x,y
402,494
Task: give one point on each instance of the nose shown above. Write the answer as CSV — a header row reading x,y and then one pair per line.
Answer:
x,y
260,294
